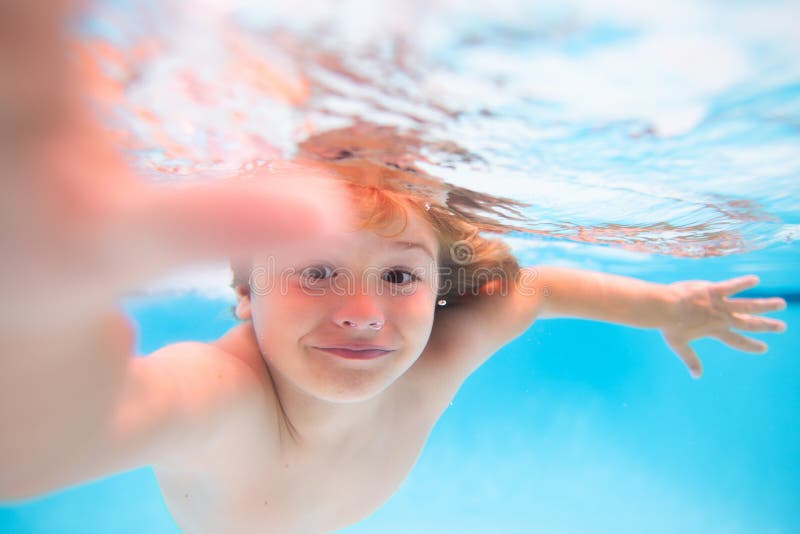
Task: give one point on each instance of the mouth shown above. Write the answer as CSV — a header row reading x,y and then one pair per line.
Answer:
x,y
357,352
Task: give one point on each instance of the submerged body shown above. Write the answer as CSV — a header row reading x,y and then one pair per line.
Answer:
x,y
302,434
268,428
271,457
255,476
275,426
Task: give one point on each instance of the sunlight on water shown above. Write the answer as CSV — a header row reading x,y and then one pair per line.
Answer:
x,y
670,128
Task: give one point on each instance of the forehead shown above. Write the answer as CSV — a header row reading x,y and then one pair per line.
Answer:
x,y
417,237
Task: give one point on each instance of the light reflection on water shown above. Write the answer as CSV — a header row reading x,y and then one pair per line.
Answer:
x,y
670,129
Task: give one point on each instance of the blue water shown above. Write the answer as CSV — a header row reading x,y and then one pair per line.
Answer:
x,y
577,426
667,127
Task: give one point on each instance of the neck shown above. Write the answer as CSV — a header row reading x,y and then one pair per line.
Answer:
x,y
313,422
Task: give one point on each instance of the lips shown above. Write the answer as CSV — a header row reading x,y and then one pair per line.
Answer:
x,y
356,352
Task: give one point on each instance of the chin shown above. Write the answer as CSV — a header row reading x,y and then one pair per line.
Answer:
x,y
351,396
343,384
351,390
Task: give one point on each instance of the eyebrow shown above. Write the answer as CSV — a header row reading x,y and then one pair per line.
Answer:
x,y
406,245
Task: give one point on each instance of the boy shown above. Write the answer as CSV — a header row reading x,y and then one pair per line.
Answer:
x,y
308,416
357,331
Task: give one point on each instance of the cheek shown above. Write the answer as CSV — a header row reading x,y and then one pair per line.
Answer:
x,y
414,312
283,319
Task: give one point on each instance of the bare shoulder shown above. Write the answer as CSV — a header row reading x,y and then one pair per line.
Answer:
x,y
468,333
166,410
207,377
216,387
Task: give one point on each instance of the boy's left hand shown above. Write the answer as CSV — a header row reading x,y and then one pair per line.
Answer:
x,y
704,309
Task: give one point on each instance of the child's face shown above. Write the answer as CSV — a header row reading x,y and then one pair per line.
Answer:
x,y
315,305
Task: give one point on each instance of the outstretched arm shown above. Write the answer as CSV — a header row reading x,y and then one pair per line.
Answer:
x,y
467,335
77,231
682,311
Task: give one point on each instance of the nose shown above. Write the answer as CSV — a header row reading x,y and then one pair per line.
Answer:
x,y
359,312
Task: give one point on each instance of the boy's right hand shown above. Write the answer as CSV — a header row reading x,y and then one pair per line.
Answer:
x,y
76,227
77,230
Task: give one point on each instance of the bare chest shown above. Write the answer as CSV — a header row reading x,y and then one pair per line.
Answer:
x,y
248,483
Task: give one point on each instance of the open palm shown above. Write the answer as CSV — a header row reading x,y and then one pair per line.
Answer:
x,y
706,309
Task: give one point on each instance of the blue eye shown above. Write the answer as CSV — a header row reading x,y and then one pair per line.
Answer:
x,y
399,276
315,273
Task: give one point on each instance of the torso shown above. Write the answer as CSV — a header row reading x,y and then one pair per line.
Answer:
x,y
254,478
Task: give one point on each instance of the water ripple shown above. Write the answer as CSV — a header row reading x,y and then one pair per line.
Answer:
x,y
672,130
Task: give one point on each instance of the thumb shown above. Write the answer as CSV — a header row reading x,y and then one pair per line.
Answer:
x,y
688,355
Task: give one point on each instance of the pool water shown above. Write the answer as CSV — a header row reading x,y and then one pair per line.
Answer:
x,y
574,427
655,140
666,127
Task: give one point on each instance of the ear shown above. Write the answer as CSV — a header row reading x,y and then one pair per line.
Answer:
x,y
243,311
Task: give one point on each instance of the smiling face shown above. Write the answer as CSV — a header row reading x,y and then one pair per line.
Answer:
x,y
341,320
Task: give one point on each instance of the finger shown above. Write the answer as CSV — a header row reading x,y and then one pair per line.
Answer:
x,y
32,55
735,285
752,323
689,357
740,342
756,305
179,225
